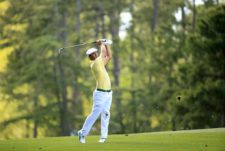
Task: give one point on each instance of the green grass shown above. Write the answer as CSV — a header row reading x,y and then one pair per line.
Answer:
x,y
195,140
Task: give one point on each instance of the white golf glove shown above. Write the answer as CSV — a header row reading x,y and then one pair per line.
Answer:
x,y
106,41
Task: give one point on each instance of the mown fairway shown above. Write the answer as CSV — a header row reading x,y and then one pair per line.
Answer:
x,y
195,140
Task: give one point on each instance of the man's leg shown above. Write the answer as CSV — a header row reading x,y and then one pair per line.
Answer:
x,y
90,120
96,110
105,116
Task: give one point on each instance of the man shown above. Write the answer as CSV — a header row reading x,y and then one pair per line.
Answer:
x,y
102,95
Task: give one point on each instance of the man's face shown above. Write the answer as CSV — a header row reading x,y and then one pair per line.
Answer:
x,y
93,56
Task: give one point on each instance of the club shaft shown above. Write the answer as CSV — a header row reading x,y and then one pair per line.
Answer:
x,y
78,45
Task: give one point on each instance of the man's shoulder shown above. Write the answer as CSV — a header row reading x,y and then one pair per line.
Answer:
x,y
98,59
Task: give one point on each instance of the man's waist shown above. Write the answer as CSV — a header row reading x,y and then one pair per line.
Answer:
x,y
103,85
103,90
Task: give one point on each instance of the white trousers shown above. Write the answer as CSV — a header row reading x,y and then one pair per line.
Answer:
x,y
101,105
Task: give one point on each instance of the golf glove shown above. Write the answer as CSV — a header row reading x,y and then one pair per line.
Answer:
x,y
106,41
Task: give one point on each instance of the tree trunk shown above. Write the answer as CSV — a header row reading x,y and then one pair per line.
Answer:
x,y
134,112
153,24
183,22
97,29
77,25
75,93
63,103
96,7
194,16
155,15
35,133
64,122
114,30
27,135
55,68
103,24
75,98
223,116
133,71
100,24
35,130
35,100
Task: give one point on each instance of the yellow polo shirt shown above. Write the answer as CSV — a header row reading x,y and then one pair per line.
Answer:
x,y
100,73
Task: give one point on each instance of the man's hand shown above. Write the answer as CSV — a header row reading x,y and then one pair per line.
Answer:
x,y
99,42
103,41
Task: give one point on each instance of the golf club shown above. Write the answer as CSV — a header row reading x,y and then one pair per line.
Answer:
x,y
77,45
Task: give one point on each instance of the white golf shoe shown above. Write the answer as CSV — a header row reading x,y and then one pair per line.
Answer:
x,y
81,137
102,140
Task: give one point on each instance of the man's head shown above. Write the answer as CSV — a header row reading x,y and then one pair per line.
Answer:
x,y
92,53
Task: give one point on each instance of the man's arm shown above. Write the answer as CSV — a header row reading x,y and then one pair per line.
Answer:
x,y
105,53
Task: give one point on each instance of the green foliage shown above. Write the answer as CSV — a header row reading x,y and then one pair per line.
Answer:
x,y
151,68
204,101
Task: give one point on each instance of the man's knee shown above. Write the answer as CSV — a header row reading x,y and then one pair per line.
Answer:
x,y
106,114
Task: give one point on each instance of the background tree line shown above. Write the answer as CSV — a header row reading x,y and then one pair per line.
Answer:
x,y
168,73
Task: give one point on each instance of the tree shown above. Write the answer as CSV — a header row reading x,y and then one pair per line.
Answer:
x,y
203,75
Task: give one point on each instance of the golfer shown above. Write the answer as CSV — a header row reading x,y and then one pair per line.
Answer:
x,y
102,95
